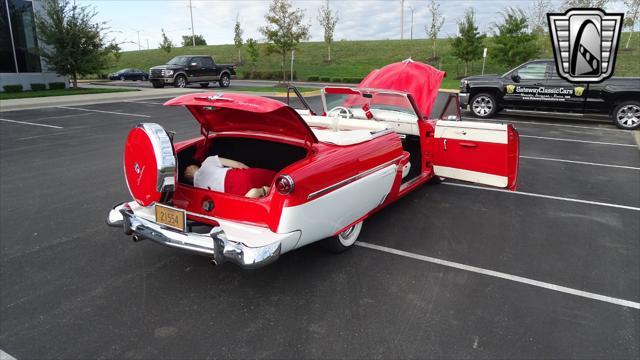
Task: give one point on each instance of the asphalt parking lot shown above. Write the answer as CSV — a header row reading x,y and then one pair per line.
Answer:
x,y
450,271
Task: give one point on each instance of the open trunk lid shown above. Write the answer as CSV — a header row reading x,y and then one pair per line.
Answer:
x,y
229,112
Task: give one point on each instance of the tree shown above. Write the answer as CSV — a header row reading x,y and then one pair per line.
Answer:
x,y
115,52
187,40
328,21
513,44
433,29
254,53
166,44
284,29
537,15
467,46
75,44
237,38
630,21
568,4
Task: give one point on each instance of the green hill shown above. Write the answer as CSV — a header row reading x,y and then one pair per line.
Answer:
x,y
355,59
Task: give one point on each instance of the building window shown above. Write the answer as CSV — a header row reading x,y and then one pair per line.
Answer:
x,y
24,35
19,22
7,64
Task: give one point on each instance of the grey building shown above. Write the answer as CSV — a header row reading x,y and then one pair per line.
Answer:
x,y
19,59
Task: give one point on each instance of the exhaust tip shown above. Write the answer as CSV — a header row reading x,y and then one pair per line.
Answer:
x,y
136,238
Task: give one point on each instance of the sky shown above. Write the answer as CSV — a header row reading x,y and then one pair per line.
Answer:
x,y
215,19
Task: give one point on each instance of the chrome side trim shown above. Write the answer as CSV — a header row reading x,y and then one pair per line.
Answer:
x,y
412,181
344,182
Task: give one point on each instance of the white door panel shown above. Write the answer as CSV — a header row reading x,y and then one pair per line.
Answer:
x,y
472,131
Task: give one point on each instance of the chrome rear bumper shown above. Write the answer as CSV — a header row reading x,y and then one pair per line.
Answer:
x,y
214,244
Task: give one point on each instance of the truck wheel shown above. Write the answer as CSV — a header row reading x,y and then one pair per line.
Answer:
x,y
225,80
157,84
204,85
343,241
180,81
483,105
627,115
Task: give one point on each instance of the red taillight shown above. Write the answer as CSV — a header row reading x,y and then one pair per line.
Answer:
x,y
284,184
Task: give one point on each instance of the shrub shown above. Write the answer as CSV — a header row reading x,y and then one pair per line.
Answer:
x,y
259,75
12,88
313,78
57,85
352,80
38,86
336,80
325,78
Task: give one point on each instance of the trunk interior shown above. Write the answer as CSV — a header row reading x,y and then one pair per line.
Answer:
x,y
255,153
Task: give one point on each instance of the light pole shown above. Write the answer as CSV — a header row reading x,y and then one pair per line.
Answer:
x,y
193,34
401,19
412,9
138,31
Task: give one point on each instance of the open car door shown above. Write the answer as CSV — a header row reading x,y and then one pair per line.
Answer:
x,y
483,153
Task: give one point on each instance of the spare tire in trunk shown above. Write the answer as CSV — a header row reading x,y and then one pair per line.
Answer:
x,y
149,163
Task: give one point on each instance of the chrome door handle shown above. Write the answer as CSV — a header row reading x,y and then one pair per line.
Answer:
x,y
445,144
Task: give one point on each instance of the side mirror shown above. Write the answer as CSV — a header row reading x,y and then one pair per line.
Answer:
x,y
515,77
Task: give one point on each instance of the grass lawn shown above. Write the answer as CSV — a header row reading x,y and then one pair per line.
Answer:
x,y
357,58
268,89
58,92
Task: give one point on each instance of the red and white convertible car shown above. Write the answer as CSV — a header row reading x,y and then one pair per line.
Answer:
x,y
372,145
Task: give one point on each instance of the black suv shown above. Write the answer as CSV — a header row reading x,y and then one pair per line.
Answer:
x,y
185,69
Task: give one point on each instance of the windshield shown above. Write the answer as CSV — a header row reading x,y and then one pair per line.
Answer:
x,y
178,60
369,104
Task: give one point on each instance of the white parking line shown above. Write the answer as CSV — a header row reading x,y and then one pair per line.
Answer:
x,y
574,140
580,162
546,196
144,102
61,116
549,124
102,111
501,275
5,356
30,123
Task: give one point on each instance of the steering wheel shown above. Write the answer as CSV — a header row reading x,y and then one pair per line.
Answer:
x,y
340,111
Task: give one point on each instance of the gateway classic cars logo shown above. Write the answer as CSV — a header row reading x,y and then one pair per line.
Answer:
x,y
585,43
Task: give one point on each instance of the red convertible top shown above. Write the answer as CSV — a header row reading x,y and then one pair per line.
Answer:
x,y
420,80
223,112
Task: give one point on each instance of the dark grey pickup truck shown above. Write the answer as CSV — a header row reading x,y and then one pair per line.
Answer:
x,y
185,69
536,86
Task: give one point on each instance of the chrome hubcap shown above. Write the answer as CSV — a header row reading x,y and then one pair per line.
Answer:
x,y
181,82
225,81
629,116
482,106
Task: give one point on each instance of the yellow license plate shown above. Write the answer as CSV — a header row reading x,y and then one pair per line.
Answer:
x,y
171,217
